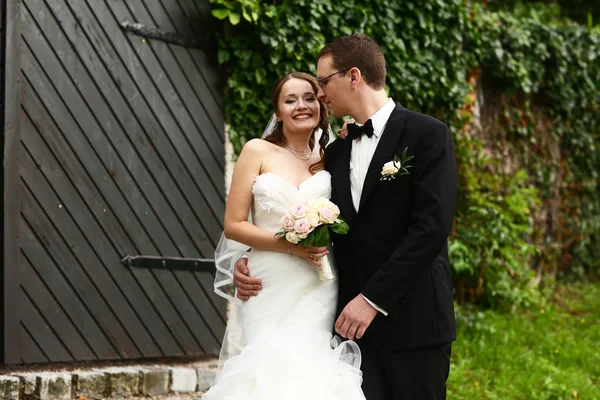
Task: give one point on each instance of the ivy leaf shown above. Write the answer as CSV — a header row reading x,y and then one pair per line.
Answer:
x,y
234,18
246,16
220,13
222,56
275,57
260,75
271,11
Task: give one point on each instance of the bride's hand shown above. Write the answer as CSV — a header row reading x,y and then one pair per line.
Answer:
x,y
344,131
311,254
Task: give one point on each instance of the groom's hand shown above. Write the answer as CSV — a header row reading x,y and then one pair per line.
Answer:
x,y
246,285
355,318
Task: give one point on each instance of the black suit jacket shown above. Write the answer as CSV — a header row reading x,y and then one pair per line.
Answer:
x,y
396,252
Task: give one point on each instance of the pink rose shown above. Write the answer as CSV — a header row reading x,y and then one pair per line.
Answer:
x,y
287,222
329,213
298,211
302,227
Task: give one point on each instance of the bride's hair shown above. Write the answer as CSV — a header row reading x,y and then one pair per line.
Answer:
x,y
276,136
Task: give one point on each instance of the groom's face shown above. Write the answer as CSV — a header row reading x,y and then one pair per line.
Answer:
x,y
333,87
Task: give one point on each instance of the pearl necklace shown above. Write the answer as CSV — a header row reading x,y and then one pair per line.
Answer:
x,y
303,155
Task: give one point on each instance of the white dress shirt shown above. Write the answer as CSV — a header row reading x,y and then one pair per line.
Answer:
x,y
361,155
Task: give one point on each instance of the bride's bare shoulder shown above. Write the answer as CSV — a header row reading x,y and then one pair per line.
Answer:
x,y
258,144
258,147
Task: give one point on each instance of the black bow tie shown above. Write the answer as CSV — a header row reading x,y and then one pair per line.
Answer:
x,y
355,131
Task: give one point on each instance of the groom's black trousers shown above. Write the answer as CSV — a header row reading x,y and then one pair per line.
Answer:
x,y
418,374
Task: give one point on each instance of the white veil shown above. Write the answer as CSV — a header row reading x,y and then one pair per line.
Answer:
x,y
226,255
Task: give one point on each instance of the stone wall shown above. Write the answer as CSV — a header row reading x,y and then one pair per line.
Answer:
x,y
149,381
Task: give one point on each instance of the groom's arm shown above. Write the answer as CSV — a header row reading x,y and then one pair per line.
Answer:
x,y
245,285
435,183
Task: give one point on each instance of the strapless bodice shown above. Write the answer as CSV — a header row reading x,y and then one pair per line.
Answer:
x,y
274,196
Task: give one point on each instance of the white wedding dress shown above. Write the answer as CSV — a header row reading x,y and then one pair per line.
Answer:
x,y
288,352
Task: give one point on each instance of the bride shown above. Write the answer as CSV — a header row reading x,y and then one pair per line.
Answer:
x,y
279,345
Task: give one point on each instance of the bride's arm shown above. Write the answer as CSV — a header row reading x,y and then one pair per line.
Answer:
x,y
239,201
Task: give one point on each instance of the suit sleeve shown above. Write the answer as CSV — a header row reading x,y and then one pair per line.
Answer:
x,y
434,198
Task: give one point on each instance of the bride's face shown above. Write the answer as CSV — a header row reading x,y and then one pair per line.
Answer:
x,y
298,106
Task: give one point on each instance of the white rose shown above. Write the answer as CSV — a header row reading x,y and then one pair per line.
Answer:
x,y
313,218
292,237
390,168
315,205
312,205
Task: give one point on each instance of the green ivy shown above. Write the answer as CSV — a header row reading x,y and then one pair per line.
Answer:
x,y
434,51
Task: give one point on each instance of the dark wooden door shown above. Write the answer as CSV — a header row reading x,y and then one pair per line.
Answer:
x,y
116,149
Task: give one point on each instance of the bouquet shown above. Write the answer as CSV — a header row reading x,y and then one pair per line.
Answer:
x,y
309,224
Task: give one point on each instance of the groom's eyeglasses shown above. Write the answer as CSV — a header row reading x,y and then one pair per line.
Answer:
x,y
323,81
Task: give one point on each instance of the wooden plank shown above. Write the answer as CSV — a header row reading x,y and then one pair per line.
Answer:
x,y
46,304
136,115
54,181
169,282
56,97
89,276
134,210
203,6
93,113
41,332
10,251
205,332
184,269
171,307
182,326
159,61
200,24
218,303
165,102
73,288
30,351
78,200
163,18
103,234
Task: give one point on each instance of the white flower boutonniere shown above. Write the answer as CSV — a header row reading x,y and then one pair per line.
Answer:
x,y
397,167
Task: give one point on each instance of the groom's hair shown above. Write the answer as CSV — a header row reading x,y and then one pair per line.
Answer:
x,y
360,51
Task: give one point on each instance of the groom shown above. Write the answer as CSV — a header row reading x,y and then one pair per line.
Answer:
x,y
395,286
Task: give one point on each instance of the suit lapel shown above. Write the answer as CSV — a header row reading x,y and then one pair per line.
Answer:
x,y
384,151
342,182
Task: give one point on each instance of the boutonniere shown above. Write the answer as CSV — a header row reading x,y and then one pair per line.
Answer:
x,y
397,167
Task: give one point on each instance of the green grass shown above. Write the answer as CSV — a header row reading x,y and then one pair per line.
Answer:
x,y
551,352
